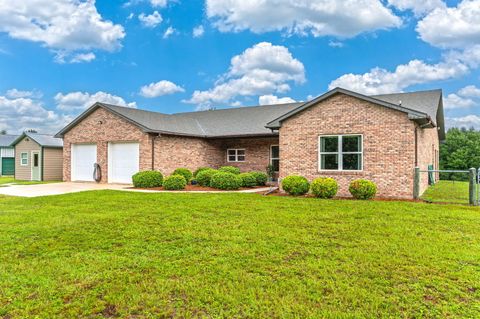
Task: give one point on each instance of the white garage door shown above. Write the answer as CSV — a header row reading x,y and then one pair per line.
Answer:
x,y
123,162
83,158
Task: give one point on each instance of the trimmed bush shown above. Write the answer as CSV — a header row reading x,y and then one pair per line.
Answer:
x,y
260,177
225,181
147,179
230,169
203,178
295,185
174,182
248,180
200,169
363,189
324,187
185,172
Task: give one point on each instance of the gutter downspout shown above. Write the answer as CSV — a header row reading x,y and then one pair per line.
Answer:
x,y
153,150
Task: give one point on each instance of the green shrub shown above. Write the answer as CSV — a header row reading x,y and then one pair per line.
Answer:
x,y
200,169
248,180
225,181
174,182
147,179
230,169
185,172
295,185
260,177
203,178
324,187
363,189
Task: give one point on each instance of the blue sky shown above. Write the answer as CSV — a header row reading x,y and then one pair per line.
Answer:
x,y
57,57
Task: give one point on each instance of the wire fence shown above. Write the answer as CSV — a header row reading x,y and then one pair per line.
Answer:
x,y
461,189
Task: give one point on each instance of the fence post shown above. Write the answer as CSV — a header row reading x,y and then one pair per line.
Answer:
x,y
472,174
416,184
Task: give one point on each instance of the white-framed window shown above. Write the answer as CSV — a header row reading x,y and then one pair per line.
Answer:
x,y
236,155
275,157
340,152
24,159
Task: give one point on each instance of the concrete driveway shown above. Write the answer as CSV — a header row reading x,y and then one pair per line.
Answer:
x,y
55,189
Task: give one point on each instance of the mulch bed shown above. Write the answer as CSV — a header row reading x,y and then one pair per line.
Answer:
x,y
198,188
377,199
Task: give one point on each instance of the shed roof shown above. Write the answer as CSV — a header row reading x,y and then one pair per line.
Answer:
x,y
6,140
43,140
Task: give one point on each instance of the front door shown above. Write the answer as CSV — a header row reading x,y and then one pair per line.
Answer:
x,y
36,166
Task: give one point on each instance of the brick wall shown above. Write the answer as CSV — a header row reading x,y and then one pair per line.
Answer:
x,y
257,152
111,129
172,152
388,139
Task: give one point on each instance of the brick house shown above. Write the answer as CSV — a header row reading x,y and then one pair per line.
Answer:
x,y
341,134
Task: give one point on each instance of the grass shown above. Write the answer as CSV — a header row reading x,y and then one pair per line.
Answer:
x,y
12,181
447,192
132,255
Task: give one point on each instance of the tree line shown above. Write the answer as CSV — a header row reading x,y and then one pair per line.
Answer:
x,y
460,151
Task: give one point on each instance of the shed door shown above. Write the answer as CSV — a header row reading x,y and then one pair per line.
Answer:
x,y
8,166
83,158
123,162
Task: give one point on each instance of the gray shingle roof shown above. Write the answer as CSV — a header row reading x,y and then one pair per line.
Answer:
x,y
423,101
41,139
6,140
259,120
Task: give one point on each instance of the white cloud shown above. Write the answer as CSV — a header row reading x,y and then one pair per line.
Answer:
x,y
336,44
466,97
467,121
18,114
168,32
379,81
151,20
159,3
471,91
60,25
456,27
159,89
78,101
260,70
455,101
198,31
316,17
419,8
83,57
16,94
273,99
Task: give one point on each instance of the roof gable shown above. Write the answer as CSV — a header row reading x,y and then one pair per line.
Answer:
x,y
413,114
43,140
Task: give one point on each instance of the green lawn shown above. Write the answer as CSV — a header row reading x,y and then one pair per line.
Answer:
x,y
133,255
11,180
447,192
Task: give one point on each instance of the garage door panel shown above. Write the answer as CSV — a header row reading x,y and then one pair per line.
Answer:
x,y
84,156
123,162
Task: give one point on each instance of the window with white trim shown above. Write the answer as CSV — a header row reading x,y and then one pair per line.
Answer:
x,y
341,153
24,159
275,157
236,155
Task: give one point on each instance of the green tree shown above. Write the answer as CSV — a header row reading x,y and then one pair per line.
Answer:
x,y
3,132
460,151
